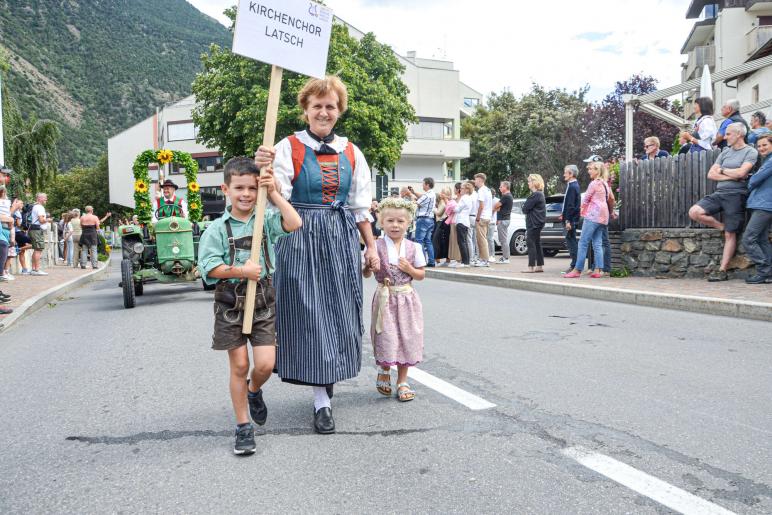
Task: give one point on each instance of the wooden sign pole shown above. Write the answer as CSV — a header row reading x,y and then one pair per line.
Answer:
x,y
269,136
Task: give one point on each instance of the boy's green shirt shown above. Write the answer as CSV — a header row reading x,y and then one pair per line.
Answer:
x,y
213,249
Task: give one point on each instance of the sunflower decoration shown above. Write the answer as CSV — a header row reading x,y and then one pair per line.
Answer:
x,y
140,186
193,205
165,156
194,187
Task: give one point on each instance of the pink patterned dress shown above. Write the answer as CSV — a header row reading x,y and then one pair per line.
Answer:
x,y
397,326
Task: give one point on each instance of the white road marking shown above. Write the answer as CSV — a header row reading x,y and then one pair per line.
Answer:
x,y
469,400
653,488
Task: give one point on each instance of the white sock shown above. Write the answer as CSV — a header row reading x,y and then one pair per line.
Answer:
x,y
321,399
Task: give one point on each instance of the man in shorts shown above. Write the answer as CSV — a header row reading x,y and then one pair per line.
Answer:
x,y
731,171
36,232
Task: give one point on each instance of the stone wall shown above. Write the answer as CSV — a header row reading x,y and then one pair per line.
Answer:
x,y
680,253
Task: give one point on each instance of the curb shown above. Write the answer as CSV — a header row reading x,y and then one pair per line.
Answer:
x,y
692,303
41,299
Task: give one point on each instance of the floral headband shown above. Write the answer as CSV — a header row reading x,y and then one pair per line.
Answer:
x,y
397,203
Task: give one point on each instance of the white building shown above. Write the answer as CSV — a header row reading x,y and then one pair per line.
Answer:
x,y
727,34
434,147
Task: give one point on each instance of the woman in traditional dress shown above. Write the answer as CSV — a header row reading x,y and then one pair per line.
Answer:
x,y
318,276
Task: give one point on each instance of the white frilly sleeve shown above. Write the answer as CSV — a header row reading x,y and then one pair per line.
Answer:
x,y
283,169
360,194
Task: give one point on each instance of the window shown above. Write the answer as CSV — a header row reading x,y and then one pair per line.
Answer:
x,y
181,131
471,102
432,129
212,194
209,164
755,94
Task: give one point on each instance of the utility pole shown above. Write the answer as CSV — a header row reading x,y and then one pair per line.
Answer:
x,y
2,141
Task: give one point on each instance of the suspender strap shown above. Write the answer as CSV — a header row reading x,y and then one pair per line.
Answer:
x,y
244,240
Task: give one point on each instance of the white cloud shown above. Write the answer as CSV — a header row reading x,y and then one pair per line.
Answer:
x,y
508,45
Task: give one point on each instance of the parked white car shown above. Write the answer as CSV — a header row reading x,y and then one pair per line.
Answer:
x,y
518,246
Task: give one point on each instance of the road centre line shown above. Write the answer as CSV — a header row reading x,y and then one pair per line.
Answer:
x,y
469,400
644,484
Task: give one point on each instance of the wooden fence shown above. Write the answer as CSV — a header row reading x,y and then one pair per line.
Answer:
x,y
658,193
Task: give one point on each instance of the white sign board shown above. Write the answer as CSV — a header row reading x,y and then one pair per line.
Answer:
x,y
291,34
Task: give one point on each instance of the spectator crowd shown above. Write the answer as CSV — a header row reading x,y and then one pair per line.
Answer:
x,y
30,227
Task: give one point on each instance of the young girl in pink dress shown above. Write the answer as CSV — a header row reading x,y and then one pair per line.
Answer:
x,y
397,326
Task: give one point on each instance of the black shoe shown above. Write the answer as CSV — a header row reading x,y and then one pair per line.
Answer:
x,y
757,279
5,300
431,265
257,408
329,389
245,440
323,421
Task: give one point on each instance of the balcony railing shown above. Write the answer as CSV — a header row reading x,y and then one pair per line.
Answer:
x,y
698,58
758,37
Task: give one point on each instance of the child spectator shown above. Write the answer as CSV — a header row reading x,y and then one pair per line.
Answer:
x,y
224,252
397,327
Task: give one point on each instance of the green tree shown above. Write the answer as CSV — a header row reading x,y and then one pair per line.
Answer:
x,y
81,187
540,132
232,93
30,146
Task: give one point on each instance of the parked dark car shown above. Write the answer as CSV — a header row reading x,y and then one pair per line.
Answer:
x,y
552,239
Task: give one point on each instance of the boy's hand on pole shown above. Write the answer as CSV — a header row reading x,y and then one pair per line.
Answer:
x,y
251,270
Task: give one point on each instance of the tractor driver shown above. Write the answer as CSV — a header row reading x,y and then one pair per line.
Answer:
x,y
169,204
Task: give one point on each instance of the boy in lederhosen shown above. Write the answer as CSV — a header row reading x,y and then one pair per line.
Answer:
x,y
223,259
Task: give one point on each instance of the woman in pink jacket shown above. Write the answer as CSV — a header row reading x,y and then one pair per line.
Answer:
x,y
595,211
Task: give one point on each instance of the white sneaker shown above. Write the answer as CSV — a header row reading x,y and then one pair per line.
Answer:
x,y
482,264
8,277
25,271
444,263
38,272
4,278
491,260
453,265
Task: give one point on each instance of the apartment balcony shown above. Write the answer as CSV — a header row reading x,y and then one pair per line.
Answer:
x,y
437,148
757,37
698,58
759,7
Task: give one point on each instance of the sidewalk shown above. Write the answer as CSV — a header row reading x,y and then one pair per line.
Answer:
x,y
29,292
730,298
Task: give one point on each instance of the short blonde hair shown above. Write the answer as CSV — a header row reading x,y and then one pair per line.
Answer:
x,y
598,166
480,176
651,139
447,191
537,180
322,87
467,186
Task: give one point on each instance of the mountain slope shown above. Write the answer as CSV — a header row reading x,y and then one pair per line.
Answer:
x,y
100,66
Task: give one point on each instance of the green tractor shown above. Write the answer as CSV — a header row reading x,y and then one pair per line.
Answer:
x,y
165,251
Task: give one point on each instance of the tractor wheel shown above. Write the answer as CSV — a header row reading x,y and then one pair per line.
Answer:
x,y
128,283
208,287
139,288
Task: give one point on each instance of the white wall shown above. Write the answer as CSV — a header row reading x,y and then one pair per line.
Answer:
x,y
762,79
122,150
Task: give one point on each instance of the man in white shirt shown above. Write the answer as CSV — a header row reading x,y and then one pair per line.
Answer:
x,y
424,218
483,217
37,233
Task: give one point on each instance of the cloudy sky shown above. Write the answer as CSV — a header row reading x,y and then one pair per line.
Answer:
x,y
509,44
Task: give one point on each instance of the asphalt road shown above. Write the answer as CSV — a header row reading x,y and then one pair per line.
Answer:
x,y
110,410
